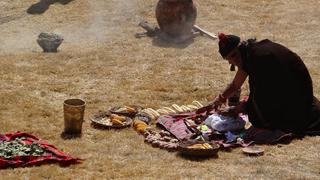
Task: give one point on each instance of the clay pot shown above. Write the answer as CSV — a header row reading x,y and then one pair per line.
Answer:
x,y
176,17
49,42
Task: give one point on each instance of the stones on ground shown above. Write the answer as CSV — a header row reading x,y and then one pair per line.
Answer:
x,y
163,139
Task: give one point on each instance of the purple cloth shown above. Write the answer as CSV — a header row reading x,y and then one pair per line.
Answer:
x,y
175,124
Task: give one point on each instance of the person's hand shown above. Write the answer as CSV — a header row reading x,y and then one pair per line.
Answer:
x,y
233,111
207,109
240,108
230,111
218,102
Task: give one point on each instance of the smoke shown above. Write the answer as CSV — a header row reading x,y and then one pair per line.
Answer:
x,y
102,22
105,24
15,37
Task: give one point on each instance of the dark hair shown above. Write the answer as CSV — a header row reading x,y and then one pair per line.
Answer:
x,y
245,46
227,43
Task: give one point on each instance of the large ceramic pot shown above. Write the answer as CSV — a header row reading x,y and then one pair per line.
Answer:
x,y
49,42
176,17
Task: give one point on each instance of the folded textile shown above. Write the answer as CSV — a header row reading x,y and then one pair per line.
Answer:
x,y
20,149
175,125
224,123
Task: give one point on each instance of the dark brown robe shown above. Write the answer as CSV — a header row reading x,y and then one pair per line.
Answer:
x,y
281,94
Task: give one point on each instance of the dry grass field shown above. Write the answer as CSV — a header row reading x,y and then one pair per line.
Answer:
x,y
103,63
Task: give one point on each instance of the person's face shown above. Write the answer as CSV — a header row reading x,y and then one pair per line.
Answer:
x,y
234,57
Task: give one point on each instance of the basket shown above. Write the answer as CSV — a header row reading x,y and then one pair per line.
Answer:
x,y
102,120
184,150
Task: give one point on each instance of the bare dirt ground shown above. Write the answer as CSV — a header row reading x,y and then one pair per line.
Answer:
x,y
103,63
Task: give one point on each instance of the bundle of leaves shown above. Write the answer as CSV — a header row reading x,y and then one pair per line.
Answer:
x,y
9,149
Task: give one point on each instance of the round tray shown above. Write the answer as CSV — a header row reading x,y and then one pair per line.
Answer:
x,y
102,119
253,150
183,149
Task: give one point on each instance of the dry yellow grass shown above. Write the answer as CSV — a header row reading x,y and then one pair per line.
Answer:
x,y
102,62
